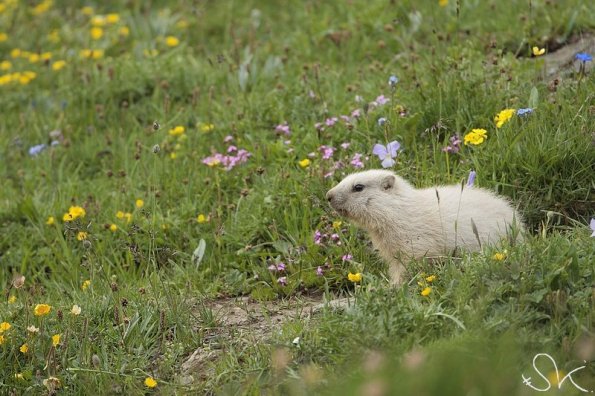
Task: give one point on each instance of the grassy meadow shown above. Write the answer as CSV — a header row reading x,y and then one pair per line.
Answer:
x,y
163,221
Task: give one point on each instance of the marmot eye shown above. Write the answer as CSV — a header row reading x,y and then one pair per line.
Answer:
x,y
358,187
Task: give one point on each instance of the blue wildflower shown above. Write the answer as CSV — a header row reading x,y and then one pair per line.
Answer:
x,y
583,57
381,121
471,178
35,150
523,112
392,81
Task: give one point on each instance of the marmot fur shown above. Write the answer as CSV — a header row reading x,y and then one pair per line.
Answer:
x,y
406,223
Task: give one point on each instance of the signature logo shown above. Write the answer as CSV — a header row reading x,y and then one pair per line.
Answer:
x,y
557,381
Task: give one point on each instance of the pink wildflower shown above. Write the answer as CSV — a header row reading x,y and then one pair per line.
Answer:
x,y
356,161
283,128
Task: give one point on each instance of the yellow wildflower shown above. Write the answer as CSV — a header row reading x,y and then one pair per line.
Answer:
x,y
476,136
426,292
112,18
554,377
54,36
128,217
81,236
150,382
26,77
41,7
50,220
42,309
182,24
502,117
58,65
15,53
12,299
24,348
304,163
74,212
357,277
19,376
3,37
86,284
172,41
499,256
201,218
56,340
207,127
87,10
96,33
337,224
537,51
431,278
124,31
442,3
92,53
34,58
4,326
45,56
120,214
2,339
139,203
150,53
177,131
75,310
113,228
173,155
5,65
98,21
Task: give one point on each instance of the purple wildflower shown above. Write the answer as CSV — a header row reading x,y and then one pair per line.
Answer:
x,y
317,238
345,145
356,161
381,100
347,257
327,151
471,178
357,113
282,281
228,161
387,153
319,271
381,121
345,118
37,149
232,148
228,139
281,267
283,128
272,267
331,121
319,126
454,145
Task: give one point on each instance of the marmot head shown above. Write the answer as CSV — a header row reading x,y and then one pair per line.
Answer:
x,y
365,196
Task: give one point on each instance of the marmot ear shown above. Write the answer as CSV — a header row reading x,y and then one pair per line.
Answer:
x,y
388,182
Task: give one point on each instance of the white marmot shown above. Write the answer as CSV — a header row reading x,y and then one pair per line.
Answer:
x,y
406,223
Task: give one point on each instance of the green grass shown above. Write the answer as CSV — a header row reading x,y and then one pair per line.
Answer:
x,y
246,67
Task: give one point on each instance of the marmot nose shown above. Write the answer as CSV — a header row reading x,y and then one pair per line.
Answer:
x,y
329,196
